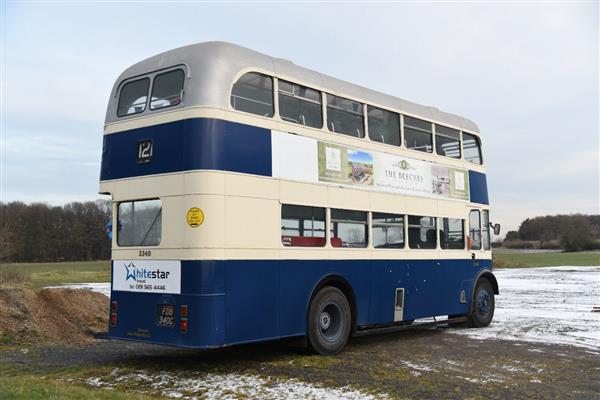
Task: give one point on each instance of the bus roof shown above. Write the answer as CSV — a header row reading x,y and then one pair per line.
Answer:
x,y
213,66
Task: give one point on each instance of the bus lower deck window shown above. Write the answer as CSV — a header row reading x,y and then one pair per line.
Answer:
x,y
302,226
348,228
452,234
388,231
485,229
421,232
475,230
139,223
418,134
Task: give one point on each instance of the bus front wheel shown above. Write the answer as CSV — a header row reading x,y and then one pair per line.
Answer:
x,y
483,305
329,320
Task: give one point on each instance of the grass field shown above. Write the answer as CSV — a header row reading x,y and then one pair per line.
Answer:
x,y
513,259
37,275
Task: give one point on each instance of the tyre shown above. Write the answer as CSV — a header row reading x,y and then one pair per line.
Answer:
x,y
483,305
329,321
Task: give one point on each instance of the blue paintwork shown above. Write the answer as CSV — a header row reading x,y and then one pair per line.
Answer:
x,y
239,301
478,187
191,144
207,144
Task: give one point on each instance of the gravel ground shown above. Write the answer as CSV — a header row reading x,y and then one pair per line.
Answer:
x,y
544,343
418,364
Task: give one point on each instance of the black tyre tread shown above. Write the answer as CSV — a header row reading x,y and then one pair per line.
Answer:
x,y
474,321
314,339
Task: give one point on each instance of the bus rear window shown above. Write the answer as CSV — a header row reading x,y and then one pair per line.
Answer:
x,y
132,99
139,223
167,89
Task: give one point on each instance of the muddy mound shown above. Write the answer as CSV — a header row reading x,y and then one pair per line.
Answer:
x,y
68,316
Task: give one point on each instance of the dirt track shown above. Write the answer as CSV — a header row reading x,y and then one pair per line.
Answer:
x,y
420,364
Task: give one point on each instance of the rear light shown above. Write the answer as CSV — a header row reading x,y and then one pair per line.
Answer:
x,y
113,313
183,314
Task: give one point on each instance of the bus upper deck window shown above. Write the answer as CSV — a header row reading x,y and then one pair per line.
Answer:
x,y
345,116
418,134
253,93
384,126
300,104
472,148
167,89
447,141
132,99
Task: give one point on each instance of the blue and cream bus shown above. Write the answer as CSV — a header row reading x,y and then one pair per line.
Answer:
x,y
254,199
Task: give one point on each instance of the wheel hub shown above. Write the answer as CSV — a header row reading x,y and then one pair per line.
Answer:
x,y
325,320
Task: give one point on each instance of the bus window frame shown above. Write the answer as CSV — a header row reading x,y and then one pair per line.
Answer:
x,y
182,91
117,214
150,75
274,93
480,147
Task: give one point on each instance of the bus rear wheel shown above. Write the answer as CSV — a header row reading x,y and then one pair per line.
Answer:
x,y
483,305
329,321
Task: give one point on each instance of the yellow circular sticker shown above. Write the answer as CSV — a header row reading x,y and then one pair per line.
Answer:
x,y
195,217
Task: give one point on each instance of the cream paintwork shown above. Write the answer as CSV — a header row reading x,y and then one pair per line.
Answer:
x,y
230,230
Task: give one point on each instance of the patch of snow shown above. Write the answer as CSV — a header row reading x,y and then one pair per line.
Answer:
x,y
539,305
101,287
214,386
419,367
545,305
483,380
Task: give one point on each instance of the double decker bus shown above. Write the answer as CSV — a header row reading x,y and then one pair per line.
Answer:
x,y
254,199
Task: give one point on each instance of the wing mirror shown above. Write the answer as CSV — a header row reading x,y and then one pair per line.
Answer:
x,y
496,229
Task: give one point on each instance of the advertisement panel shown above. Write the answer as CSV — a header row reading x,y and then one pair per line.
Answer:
x,y
147,276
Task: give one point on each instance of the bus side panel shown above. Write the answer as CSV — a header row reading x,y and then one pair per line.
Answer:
x,y
251,300
299,278
431,287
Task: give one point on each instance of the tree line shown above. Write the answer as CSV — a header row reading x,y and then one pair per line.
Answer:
x,y
41,233
573,232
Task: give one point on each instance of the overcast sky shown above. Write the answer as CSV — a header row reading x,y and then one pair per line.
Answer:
x,y
527,74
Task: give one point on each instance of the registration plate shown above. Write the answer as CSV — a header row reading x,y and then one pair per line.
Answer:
x,y
165,315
